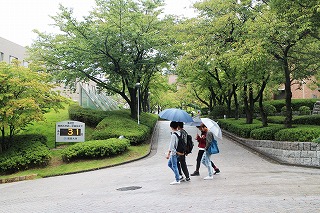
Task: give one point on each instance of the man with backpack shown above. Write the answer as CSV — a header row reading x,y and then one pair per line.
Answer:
x,y
172,155
182,164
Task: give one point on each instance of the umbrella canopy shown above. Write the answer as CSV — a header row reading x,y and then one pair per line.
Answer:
x,y
212,126
174,114
196,122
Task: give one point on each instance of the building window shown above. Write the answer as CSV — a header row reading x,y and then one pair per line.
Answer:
x,y
11,58
25,63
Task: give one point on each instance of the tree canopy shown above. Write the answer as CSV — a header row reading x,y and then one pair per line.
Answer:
x,y
25,95
121,43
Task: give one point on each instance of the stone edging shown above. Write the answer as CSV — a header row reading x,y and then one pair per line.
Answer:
x,y
285,152
20,178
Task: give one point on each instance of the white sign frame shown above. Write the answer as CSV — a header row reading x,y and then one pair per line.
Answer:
x,y
70,131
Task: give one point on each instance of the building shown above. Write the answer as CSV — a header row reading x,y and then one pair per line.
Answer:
x,y
10,51
300,90
86,94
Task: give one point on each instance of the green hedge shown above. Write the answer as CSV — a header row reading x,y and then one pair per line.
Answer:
x,y
296,103
90,117
276,132
115,126
303,134
307,120
24,155
239,127
95,149
266,133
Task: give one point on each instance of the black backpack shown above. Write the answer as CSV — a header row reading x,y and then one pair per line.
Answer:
x,y
181,148
189,145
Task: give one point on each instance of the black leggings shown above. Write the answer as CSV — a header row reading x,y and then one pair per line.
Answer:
x,y
200,153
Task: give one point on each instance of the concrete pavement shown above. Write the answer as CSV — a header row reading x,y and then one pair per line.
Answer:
x,y
247,183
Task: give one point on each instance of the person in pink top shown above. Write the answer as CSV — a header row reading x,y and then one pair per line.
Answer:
x,y
202,145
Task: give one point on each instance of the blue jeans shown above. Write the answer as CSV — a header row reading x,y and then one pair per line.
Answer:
x,y
173,164
207,162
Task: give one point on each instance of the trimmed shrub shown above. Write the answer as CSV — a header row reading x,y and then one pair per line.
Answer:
x,y
269,109
307,120
266,133
95,149
295,103
304,110
239,127
317,140
88,116
24,155
112,127
276,119
304,134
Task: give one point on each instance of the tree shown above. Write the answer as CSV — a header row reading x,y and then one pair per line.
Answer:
x,y
25,95
291,33
122,41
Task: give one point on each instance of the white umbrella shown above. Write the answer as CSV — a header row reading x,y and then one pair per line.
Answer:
x,y
212,126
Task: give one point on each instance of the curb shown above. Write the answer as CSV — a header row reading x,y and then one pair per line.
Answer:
x,y
152,150
16,179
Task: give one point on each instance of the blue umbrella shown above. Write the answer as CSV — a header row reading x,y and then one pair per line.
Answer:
x,y
174,114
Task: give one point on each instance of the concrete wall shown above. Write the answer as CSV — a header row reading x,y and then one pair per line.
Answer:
x,y
10,50
294,153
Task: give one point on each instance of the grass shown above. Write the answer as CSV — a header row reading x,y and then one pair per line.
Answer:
x,y
57,166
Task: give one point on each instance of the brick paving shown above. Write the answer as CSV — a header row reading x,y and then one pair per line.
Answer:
x,y
247,183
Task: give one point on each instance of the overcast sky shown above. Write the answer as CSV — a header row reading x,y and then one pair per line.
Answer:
x,y
20,17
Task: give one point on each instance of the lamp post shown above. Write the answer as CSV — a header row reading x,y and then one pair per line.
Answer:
x,y
138,85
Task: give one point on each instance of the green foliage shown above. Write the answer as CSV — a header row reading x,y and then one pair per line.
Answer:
x,y
266,133
239,127
24,155
95,149
114,126
307,120
268,109
317,140
276,119
304,134
218,111
304,110
125,41
25,95
88,116
296,103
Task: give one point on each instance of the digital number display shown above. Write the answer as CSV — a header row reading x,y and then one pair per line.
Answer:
x,y
70,132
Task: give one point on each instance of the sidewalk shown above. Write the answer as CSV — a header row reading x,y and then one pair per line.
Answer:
x,y
247,183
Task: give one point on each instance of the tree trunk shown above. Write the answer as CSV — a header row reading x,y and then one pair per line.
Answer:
x,y
288,93
236,103
248,106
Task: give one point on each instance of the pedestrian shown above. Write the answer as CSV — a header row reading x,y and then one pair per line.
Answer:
x,y
202,145
172,153
206,155
182,164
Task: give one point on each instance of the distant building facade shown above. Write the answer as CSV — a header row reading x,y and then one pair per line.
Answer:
x,y
10,51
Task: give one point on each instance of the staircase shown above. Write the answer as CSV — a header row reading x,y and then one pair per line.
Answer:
x,y
316,108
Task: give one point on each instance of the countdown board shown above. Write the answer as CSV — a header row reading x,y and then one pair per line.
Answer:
x,y
70,131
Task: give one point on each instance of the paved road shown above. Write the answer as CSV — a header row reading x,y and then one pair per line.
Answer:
x,y
247,183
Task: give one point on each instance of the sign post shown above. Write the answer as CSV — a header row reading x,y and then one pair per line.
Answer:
x,y
70,131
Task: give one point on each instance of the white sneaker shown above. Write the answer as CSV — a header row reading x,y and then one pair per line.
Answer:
x,y
175,183
208,178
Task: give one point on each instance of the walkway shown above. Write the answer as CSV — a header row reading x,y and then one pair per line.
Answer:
x,y
247,183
